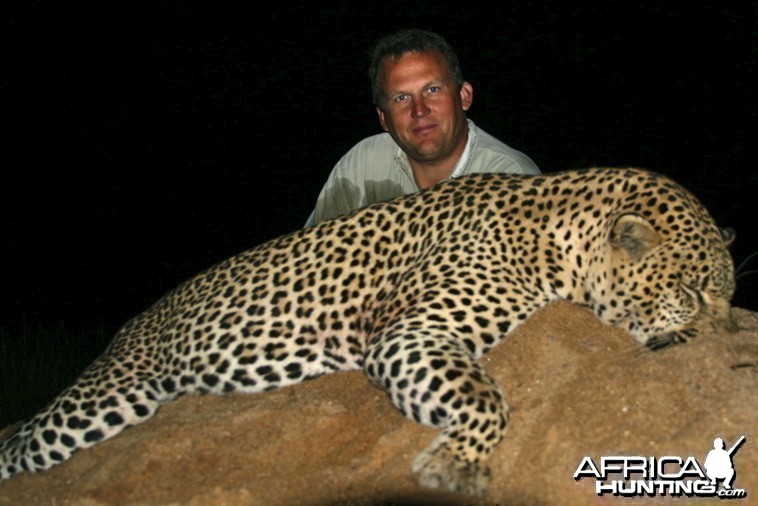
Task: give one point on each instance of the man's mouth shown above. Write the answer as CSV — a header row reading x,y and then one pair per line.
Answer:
x,y
423,129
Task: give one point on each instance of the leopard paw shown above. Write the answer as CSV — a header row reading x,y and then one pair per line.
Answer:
x,y
438,468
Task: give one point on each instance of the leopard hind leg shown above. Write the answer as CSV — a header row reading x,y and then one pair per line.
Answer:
x,y
100,404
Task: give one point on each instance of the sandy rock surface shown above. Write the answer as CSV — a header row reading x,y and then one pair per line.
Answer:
x,y
576,387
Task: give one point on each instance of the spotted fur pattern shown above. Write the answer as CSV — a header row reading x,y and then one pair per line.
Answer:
x,y
413,292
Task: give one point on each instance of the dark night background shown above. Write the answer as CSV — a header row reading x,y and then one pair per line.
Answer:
x,y
143,145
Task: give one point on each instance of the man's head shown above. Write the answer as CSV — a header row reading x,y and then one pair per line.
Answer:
x,y
421,97
412,40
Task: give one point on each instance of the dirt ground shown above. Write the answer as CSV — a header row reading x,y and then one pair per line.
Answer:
x,y
577,388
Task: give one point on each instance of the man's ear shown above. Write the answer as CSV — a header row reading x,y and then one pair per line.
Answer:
x,y
467,95
380,113
634,235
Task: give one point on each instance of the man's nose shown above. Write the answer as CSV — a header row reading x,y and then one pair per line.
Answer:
x,y
419,107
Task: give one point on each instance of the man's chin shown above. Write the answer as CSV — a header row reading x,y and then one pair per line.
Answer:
x,y
427,152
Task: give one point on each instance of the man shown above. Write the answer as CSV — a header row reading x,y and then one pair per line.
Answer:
x,y
421,99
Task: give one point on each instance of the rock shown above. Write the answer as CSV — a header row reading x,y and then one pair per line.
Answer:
x,y
576,387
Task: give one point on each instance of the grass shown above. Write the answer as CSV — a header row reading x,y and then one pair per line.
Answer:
x,y
38,361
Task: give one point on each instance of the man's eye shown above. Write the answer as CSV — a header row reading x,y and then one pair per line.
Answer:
x,y
401,98
434,89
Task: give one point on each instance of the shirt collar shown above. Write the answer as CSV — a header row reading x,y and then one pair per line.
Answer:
x,y
461,167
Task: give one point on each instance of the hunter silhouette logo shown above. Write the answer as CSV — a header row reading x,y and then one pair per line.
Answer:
x,y
718,463
630,476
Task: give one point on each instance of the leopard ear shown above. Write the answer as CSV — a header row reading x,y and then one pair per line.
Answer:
x,y
728,234
633,235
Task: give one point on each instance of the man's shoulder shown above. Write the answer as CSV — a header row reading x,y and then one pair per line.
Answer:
x,y
489,142
372,154
492,150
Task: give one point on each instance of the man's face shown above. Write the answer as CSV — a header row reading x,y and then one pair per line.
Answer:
x,y
423,110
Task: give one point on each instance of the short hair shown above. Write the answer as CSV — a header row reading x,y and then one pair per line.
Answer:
x,y
410,40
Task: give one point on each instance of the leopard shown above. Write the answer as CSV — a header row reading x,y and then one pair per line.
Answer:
x,y
413,291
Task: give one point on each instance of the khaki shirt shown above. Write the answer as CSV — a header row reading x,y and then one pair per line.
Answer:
x,y
376,169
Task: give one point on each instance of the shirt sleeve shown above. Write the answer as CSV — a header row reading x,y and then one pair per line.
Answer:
x,y
493,155
517,163
343,191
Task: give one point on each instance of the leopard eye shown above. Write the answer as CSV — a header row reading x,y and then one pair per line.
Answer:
x,y
695,294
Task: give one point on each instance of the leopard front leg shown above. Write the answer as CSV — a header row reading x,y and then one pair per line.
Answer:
x,y
431,377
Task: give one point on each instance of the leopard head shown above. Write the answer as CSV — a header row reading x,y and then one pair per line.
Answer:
x,y
666,285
